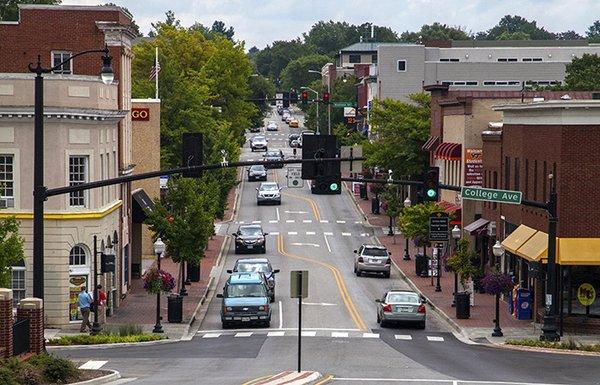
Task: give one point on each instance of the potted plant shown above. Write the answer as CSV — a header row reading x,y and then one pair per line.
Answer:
x,y
157,281
461,264
497,283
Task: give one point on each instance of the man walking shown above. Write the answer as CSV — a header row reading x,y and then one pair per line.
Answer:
x,y
84,301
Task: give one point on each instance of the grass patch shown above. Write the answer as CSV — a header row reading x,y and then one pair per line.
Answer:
x,y
568,344
86,339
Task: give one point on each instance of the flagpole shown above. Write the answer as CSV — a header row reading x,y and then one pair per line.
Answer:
x,y
156,70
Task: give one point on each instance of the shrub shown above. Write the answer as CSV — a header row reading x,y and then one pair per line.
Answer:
x,y
85,339
54,369
569,344
130,330
7,376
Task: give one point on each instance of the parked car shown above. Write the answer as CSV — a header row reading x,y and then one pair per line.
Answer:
x,y
294,140
268,192
274,156
372,259
254,129
258,265
403,306
245,300
272,126
294,123
258,143
250,239
257,172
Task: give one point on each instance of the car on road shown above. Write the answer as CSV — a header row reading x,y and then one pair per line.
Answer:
x,y
258,265
268,192
289,119
245,300
250,239
257,172
401,306
372,259
279,110
274,156
258,143
294,123
294,140
286,114
254,129
272,126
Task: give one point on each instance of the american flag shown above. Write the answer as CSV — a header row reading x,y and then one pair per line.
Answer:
x,y
155,70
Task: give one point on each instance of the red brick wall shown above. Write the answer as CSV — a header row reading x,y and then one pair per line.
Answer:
x,y
6,330
36,327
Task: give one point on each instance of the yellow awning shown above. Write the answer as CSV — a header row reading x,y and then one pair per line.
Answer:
x,y
578,251
535,248
517,238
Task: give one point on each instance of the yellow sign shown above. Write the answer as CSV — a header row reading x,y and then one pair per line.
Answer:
x,y
586,294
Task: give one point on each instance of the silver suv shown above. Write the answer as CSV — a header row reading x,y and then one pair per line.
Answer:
x,y
372,259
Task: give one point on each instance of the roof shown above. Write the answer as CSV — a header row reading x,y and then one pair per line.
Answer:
x,y
551,104
245,278
368,46
519,43
369,246
253,260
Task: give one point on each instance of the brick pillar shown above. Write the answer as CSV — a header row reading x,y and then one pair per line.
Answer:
x,y
33,310
6,323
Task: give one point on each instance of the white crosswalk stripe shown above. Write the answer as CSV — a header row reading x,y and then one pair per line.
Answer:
x,y
212,335
292,233
290,221
255,222
275,334
310,233
307,221
435,339
364,235
324,221
325,333
340,221
339,334
328,233
274,233
243,334
370,335
93,365
307,333
273,221
346,234
403,337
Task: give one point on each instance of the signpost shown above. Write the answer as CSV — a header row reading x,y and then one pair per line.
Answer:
x,y
299,289
491,195
294,177
439,227
351,152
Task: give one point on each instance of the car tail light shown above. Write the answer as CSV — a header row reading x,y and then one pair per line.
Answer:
x,y
421,309
360,259
264,308
387,308
388,261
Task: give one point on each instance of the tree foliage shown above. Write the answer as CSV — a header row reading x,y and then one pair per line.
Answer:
x,y
414,220
583,73
274,58
9,9
218,29
518,27
593,32
435,31
569,35
11,249
461,261
296,75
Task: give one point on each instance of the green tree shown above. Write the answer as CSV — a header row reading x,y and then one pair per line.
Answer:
x,y
519,35
261,88
435,31
274,58
583,73
462,261
569,35
400,129
593,32
296,75
512,24
9,9
414,221
220,28
11,249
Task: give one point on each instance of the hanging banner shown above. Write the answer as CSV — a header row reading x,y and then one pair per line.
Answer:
x,y
473,167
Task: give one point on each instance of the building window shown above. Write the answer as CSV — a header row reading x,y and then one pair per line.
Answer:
x,y
18,284
507,59
7,181
506,173
502,83
59,57
78,170
531,59
542,83
460,83
401,66
77,256
449,60
374,59
526,192
545,176
517,175
535,179
354,58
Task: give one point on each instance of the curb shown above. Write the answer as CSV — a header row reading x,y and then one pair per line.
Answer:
x,y
543,350
113,376
108,346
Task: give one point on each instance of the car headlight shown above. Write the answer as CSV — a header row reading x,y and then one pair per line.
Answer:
x,y
239,240
228,309
263,308
260,240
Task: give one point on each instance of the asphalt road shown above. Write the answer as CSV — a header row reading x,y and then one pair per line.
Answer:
x,y
319,233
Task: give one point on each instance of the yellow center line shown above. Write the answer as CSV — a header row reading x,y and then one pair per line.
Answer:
x,y
257,380
358,321
312,203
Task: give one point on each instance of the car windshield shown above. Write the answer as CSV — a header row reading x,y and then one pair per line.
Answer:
x,y
251,231
375,252
248,267
269,187
294,136
272,153
257,168
246,290
259,139
402,298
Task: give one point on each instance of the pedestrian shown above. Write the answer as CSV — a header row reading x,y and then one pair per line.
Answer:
x,y
84,300
101,297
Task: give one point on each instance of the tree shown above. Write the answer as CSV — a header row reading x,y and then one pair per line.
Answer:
x,y
9,9
219,27
462,261
274,58
170,20
593,32
583,73
435,31
11,249
569,35
261,88
296,75
414,222
509,25
400,129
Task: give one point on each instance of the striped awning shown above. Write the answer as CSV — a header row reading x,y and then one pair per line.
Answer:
x,y
449,151
431,143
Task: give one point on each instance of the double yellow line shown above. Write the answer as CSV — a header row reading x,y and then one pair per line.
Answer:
x,y
310,202
358,321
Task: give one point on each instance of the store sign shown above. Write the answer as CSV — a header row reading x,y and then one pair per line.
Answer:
x,y
142,114
586,294
349,112
474,167
76,282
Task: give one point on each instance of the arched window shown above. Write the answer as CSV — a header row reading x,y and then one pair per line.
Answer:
x,y
77,256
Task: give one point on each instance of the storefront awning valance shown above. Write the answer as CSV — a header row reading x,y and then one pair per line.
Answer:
x,y
517,238
453,210
448,151
142,204
476,227
578,251
535,249
431,143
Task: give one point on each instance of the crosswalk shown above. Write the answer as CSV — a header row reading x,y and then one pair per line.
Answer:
x,y
317,333
296,221
314,233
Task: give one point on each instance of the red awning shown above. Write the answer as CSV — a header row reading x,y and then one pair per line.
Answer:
x,y
477,227
449,151
454,210
431,143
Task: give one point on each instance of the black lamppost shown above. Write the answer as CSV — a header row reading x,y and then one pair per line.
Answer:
x,y
456,233
96,327
406,257
549,332
39,190
498,251
159,249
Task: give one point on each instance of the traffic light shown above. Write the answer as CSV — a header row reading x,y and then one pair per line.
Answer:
x,y
191,147
326,97
326,175
431,186
304,96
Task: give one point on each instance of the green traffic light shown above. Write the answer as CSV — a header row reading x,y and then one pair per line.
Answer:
x,y
431,193
333,187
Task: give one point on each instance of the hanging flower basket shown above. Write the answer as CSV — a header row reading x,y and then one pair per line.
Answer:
x,y
497,283
156,281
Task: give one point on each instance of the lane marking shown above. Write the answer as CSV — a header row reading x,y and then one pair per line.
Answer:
x,y
304,244
212,335
324,221
339,334
255,222
274,233
280,316
292,233
307,221
327,242
346,234
243,334
350,307
273,221
319,304
311,203
93,365
275,334
328,233
370,335
364,235
277,212
296,212
437,380
404,337
290,221
310,233
435,339
307,333
340,221
241,222
357,222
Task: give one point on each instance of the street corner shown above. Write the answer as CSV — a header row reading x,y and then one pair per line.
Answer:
x,y
287,377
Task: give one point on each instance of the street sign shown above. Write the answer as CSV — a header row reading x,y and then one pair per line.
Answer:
x,y
349,112
298,283
279,99
342,104
355,165
439,227
491,195
294,177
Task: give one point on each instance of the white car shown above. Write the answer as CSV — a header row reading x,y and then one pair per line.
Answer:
x,y
272,126
259,143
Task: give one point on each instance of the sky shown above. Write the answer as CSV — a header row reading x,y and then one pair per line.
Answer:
x,y
260,22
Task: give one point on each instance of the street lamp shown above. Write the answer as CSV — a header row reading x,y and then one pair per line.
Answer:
x,y
498,251
96,328
406,257
328,104
159,249
39,190
310,89
456,233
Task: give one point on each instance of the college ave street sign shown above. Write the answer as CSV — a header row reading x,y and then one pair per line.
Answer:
x,y
342,104
491,195
439,227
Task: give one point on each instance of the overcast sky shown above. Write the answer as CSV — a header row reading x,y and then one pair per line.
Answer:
x,y
260,22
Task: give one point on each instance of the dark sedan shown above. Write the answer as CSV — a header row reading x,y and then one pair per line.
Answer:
x,y
257,172
274,156
250,239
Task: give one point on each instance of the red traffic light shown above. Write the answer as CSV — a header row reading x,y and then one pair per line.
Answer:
x,y
326,97
304,96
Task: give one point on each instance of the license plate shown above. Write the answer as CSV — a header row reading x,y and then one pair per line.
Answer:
x,y
403,309
375,260
245,319
250,246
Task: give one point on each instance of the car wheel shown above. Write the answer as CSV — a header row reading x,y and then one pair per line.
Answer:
x,y
237,251
422,325
268,323
252,148
383,323
378,318
358,273
386,275
258,203
225,325
264,250
272,299
354,269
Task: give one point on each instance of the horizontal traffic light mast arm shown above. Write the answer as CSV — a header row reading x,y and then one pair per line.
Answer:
x,y
154,174
385,181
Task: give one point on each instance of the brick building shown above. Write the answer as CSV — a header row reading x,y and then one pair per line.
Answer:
x,y
88,131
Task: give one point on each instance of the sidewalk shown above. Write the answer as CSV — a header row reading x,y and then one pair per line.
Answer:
x,y
480,325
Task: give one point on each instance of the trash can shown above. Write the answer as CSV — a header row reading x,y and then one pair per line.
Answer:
x,y
363,191
193,272
523,304
175,308
421,265
463,305
375,205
